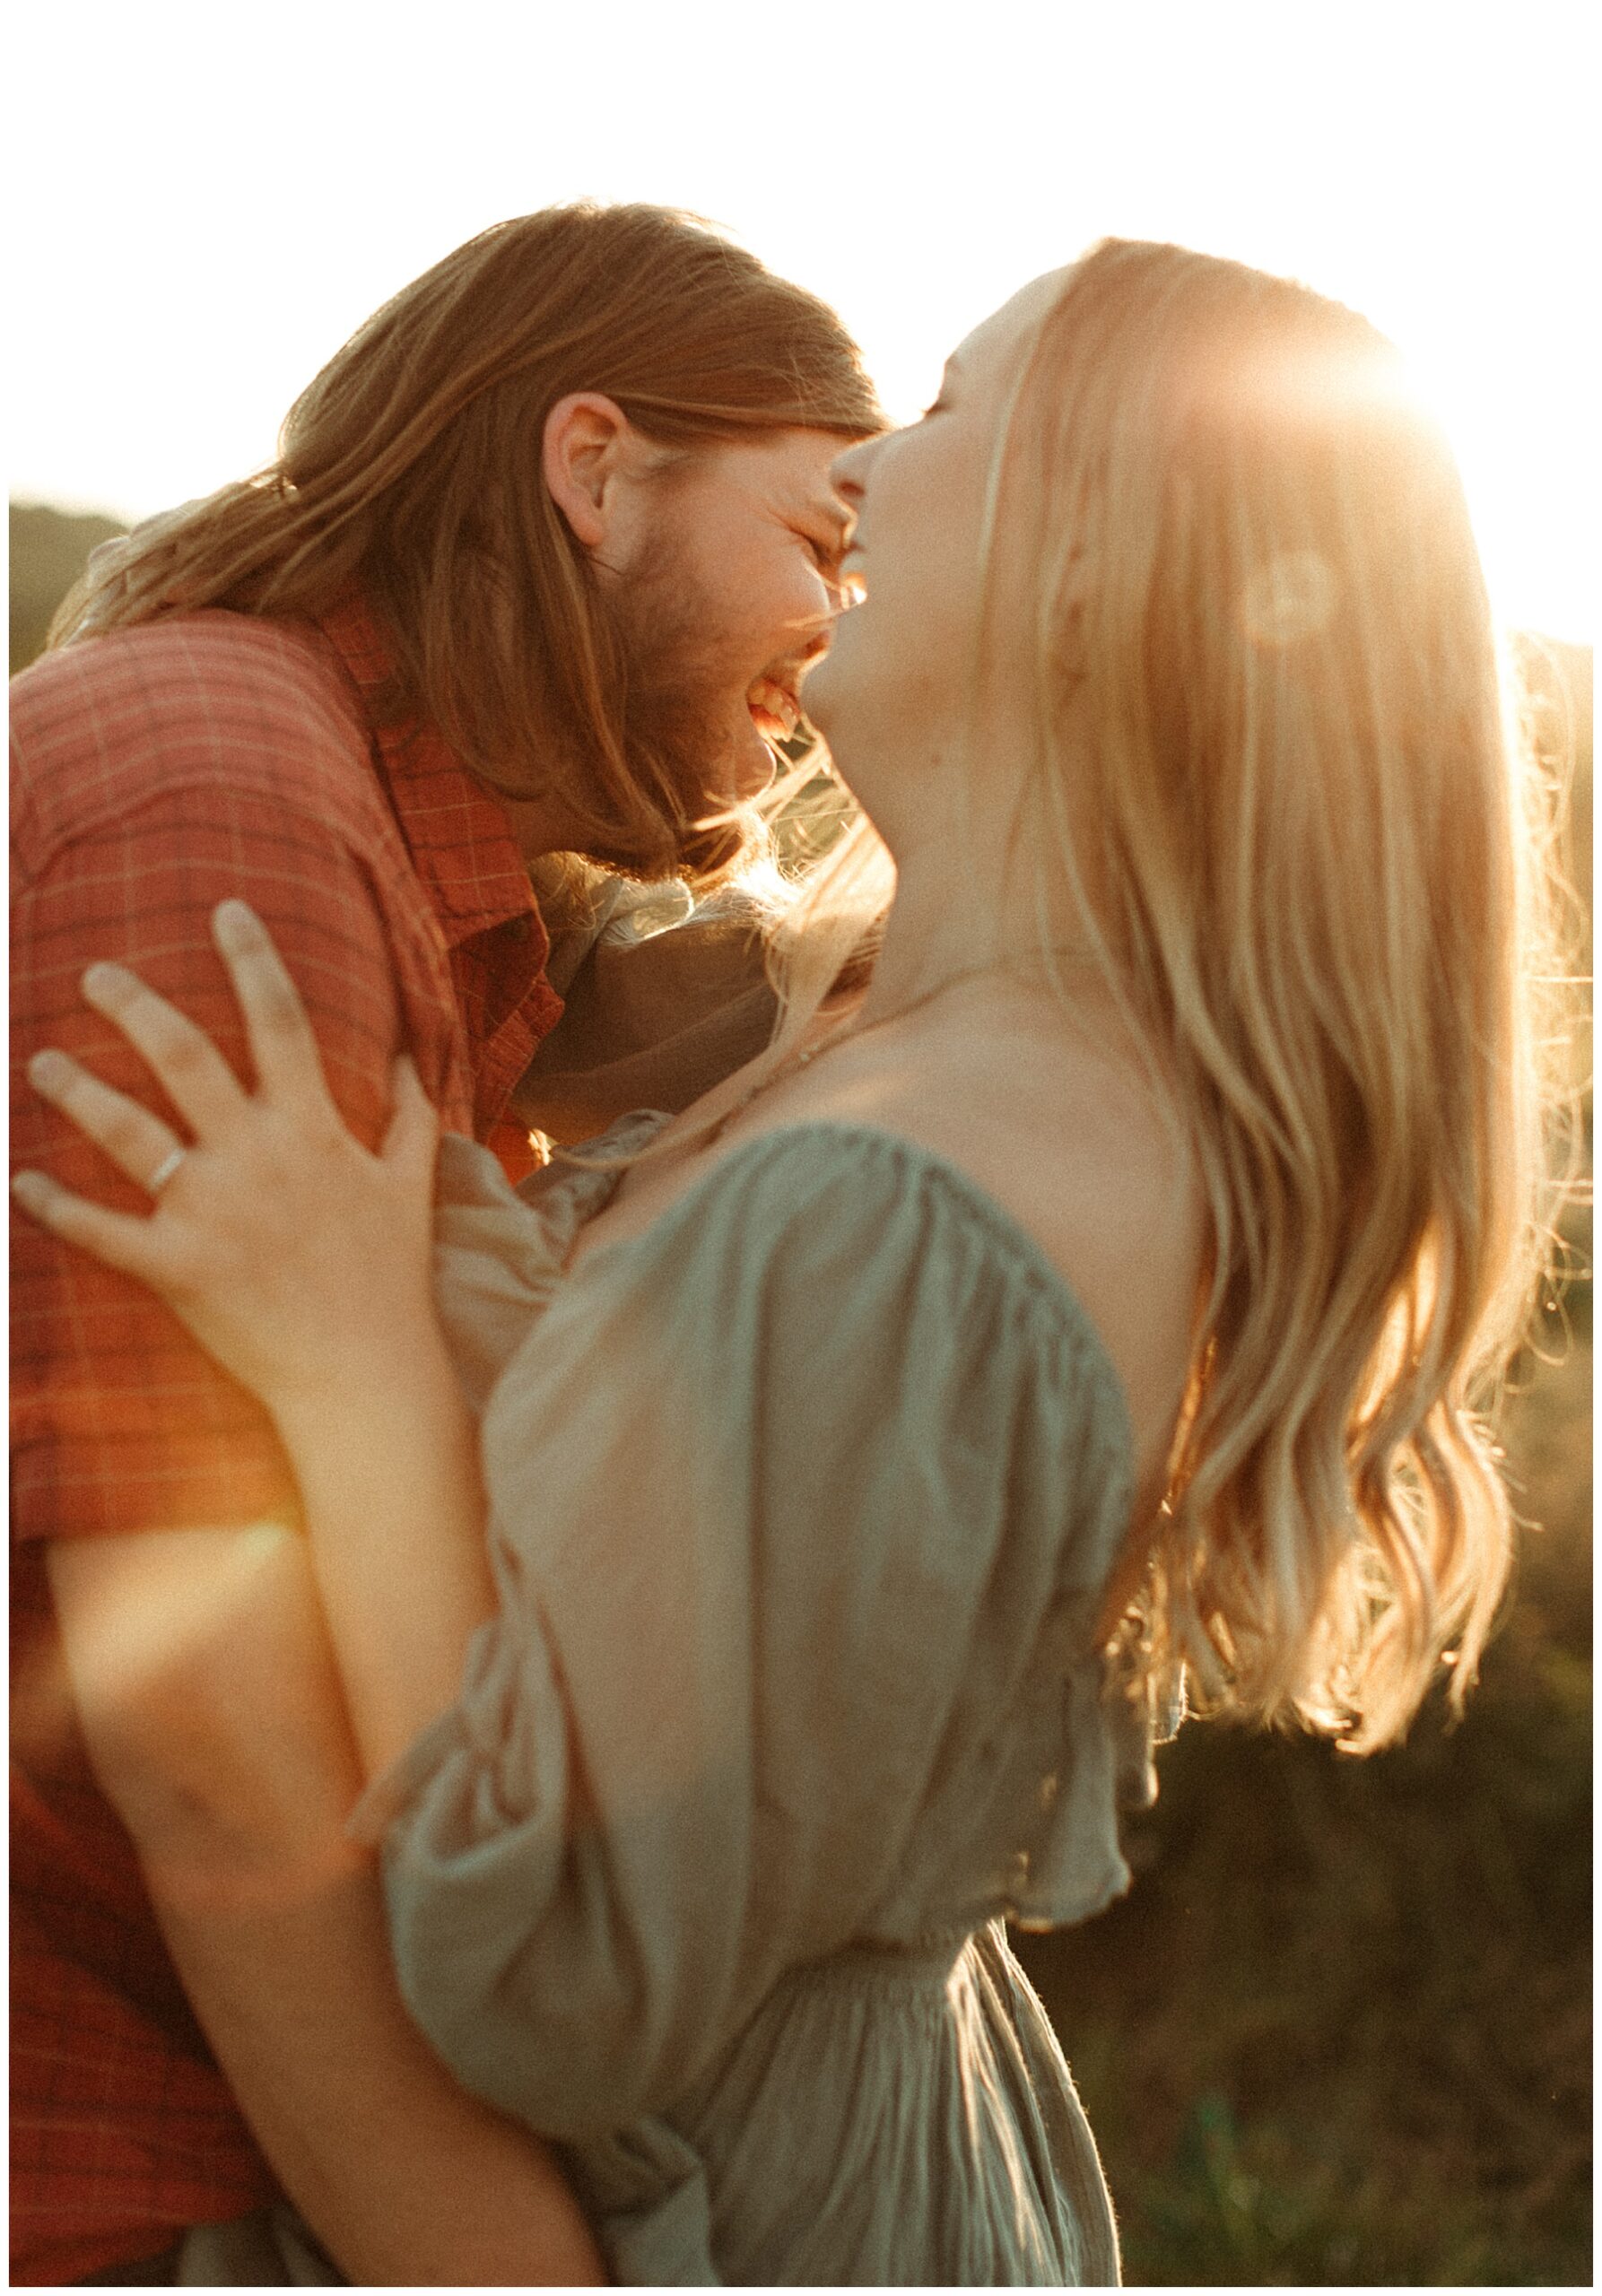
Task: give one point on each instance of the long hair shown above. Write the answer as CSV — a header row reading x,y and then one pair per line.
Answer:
x,y
1283,778
411,466
1280,773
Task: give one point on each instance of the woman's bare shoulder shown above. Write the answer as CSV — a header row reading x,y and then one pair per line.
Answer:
x,y
1077,1147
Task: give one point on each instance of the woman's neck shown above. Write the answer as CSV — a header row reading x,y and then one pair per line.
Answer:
x,y
932,934
951,918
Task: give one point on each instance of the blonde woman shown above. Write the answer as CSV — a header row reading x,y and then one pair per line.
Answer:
x,y
1103,1294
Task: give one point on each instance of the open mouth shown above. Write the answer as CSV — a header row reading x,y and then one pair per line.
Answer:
x,y
775,710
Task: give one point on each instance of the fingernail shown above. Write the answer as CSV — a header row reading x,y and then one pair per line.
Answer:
x,y
48,1071
103,979
30,1188
234,917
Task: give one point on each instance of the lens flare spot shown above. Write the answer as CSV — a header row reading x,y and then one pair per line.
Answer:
x,y
1291,598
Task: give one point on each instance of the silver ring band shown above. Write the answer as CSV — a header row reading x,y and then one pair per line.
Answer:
x,y
165,1170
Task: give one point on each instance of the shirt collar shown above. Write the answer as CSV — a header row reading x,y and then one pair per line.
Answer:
x,y
459,839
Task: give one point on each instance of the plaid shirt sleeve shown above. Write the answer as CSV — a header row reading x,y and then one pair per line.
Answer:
x,y
120,1421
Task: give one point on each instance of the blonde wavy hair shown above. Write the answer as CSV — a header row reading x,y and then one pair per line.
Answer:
x,y
1280,773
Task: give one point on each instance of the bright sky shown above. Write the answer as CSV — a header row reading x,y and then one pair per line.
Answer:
x,y
211,196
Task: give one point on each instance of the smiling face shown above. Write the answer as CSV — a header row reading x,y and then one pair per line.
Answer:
x,y
897,685
725,595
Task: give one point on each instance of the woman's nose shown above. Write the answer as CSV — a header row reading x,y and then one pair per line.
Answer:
x,y
848,473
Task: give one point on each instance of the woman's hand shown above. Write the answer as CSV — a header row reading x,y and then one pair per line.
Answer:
x,y
297,1259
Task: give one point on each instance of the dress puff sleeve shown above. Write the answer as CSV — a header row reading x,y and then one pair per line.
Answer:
x,y
801,1506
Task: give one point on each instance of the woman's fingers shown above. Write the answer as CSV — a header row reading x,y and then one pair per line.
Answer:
x,y
117,1237
182,1059
137,1142
283,1043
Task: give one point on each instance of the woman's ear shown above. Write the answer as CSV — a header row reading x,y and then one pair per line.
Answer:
x,y
588,444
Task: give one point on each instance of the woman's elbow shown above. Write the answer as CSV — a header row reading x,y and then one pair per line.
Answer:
x,y
214,1727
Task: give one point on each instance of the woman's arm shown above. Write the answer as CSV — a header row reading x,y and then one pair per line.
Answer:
x,y
395,1508
302,1262
209,1641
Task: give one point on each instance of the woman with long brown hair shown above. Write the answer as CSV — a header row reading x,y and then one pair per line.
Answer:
x,y
1105,1300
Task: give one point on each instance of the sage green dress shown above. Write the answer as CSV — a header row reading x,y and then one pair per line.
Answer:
x,y
802,1504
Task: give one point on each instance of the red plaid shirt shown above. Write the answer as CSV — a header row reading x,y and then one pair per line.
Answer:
x,y
156,771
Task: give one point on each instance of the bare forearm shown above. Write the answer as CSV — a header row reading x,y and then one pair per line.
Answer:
x,y
206,1690
389,1479
404,2177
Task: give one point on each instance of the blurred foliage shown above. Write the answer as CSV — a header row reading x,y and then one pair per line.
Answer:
x,y
1338,2033
1556,679
49,549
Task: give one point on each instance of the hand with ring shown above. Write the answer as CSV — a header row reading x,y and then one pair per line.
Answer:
x,y
165,1170
294,1255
